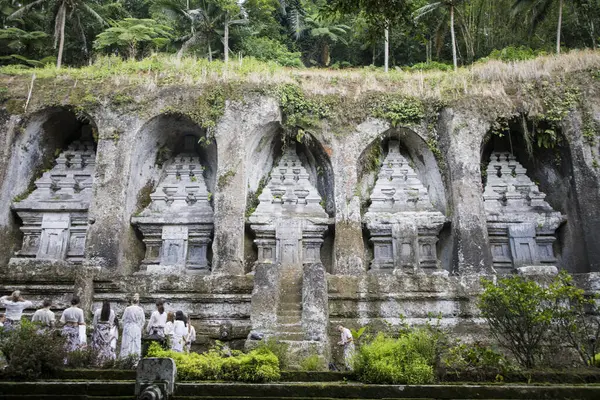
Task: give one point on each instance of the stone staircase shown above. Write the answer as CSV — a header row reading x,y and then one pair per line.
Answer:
x,y
289,314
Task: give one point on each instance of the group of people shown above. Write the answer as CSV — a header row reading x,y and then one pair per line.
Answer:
x,y
173,328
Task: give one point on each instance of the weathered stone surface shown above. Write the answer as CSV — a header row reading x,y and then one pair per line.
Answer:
x,y
156,373
521,224
403,224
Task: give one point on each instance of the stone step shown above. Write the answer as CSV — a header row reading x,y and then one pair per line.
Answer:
x,y
291,336
289,319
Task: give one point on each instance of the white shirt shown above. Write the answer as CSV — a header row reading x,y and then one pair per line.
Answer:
x,y
156,319
14,309
346,335
72,314
98,313
45,316
134,315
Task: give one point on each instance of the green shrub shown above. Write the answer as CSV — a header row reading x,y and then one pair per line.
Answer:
x,y
475,358
512,53
407,359
311,363
533,321
431,66
267,49
259,365
279,348
32,355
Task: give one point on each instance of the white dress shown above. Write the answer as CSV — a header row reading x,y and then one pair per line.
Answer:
x,y
179,336
133,323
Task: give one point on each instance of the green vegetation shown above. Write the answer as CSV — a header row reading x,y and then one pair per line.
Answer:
x,y
259,365
532,321
31,355
428,34
407,359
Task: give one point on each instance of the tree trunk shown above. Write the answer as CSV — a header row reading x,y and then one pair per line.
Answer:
x,y
209,52
593,34
226,42
325,58
453,35
61,39
558,29
386,62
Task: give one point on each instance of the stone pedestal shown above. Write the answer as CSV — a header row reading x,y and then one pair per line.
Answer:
x,y
403,224
521,224
55,214
177,225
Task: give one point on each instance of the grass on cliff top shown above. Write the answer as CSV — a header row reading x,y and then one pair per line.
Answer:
x,y
480,79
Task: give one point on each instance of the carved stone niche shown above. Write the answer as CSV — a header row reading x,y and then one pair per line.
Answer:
x,y
521,224
289,221
177,224
55,214
403,224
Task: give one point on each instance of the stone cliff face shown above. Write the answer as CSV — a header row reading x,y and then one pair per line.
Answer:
x,y
256,229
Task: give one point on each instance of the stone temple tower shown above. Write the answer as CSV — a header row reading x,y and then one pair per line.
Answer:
x,y
55,214
178,223
289,300
521,224
403,224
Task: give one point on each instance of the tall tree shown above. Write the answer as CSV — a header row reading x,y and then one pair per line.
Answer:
x,y
539,10
325,31
65,8
381,12
450,6
232,15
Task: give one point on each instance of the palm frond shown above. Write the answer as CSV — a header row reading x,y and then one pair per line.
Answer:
x,y
93,13
421,12
21,11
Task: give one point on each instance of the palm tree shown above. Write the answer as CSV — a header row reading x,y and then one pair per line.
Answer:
x,y
326,32
293,11
450,6
65,7
539,10
203,22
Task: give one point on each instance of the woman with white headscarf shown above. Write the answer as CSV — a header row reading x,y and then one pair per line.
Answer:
x,y
133,323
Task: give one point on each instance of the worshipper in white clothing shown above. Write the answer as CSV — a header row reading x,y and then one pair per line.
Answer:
x,y
73,319
348,343
157,322
44,317
14,304
102,337
114,332
191,335
133,323
180,332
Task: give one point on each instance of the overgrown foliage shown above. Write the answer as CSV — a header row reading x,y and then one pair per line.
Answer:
x,y
475,359
409,359
31,354
532,320
259,365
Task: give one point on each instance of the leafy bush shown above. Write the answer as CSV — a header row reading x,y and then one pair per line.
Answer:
x,y
431,66
512,53
259,365
266,49
407,359
279,348
311,363
475,358
532,321
32,355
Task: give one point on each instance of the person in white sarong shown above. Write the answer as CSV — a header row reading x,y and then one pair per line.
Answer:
x,y
73,320
14,304
180,332
114,333
191,336
102,337
44,317
157,322
348,343
133,323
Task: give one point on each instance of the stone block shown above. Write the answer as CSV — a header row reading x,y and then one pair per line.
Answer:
x,y
155,378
